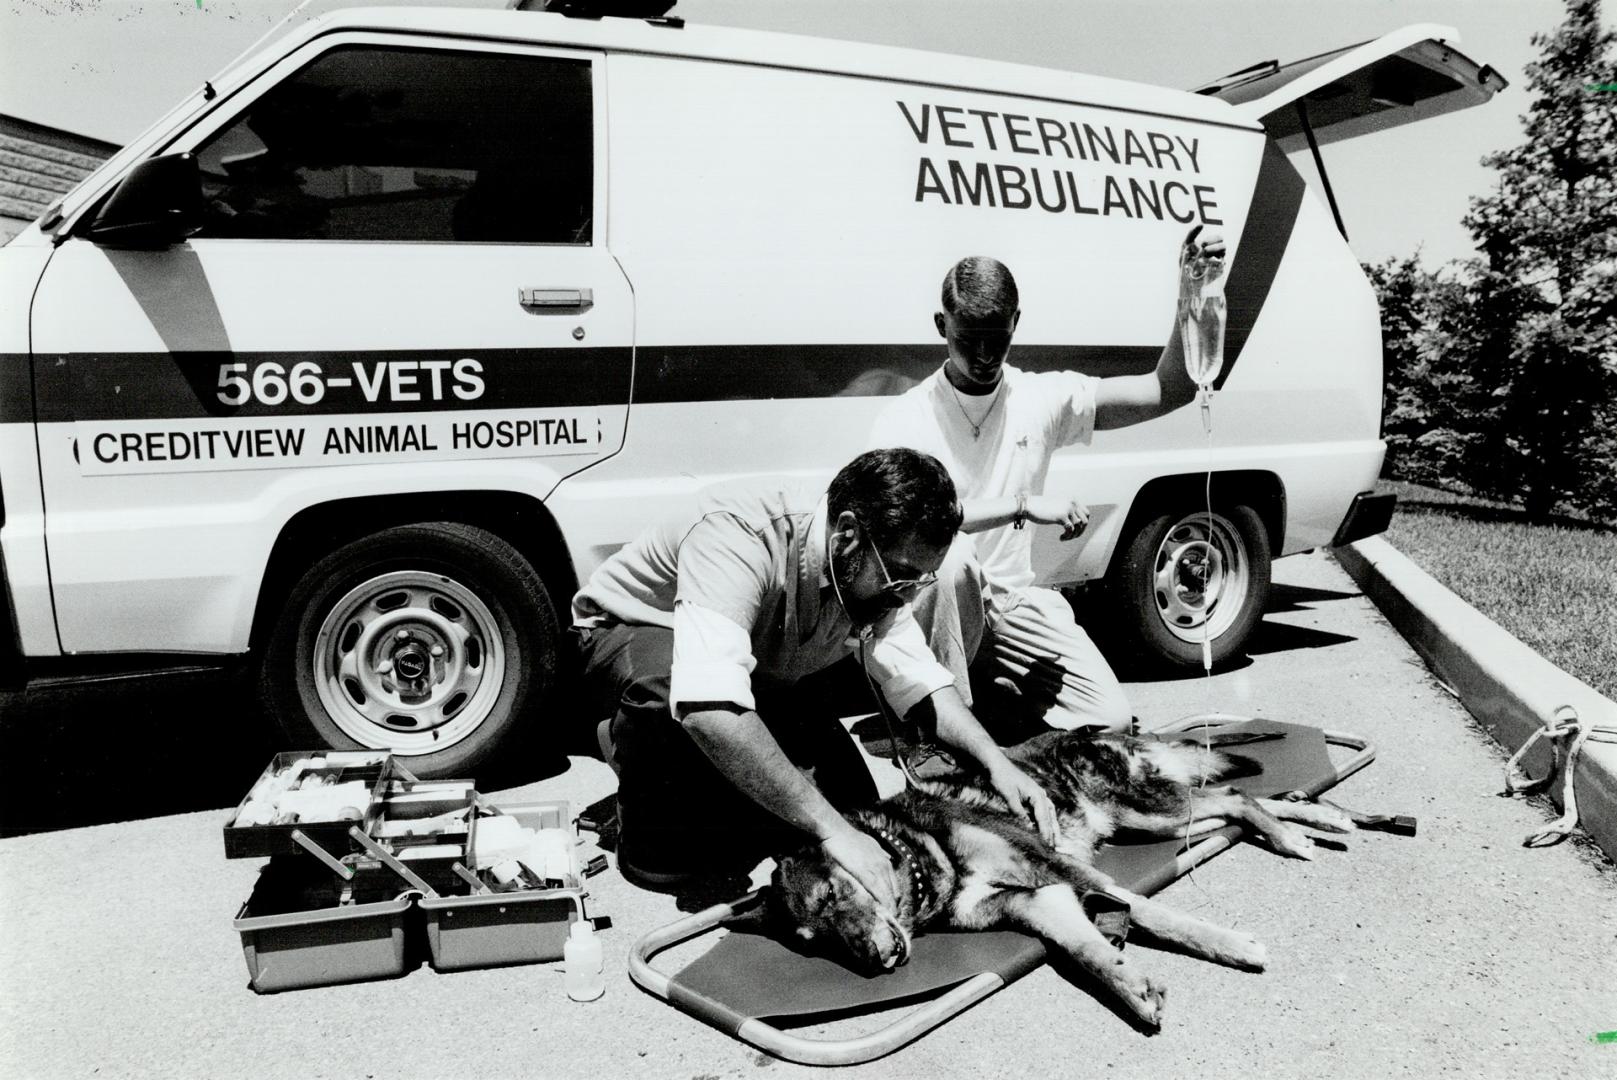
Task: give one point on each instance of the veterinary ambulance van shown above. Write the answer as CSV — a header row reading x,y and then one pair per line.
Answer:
x,y
364,356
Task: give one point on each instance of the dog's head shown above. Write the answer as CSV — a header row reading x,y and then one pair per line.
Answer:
x,y
825,905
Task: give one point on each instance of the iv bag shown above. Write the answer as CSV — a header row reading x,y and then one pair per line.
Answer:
x,y
1201,320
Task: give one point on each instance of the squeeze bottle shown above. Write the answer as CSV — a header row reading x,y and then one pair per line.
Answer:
x,y
583,963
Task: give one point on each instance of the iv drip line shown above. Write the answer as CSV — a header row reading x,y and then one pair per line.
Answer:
x,y
1203,374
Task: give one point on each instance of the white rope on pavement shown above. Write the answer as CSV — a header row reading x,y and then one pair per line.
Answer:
x,y
1563,724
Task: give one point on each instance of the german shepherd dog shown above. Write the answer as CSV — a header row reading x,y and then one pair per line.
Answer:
x,y
969,863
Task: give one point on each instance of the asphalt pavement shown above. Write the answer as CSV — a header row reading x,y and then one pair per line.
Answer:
x,y
1455,953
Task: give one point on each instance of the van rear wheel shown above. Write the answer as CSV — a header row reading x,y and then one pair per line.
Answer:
x,y
430,641
1186,573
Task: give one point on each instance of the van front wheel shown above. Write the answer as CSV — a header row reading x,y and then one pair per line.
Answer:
x,y
1185,574
430,640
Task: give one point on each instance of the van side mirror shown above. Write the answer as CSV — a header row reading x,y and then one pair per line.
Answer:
x,y
157,205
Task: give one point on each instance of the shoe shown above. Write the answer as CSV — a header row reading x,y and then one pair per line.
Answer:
x,y
655,880
603,741
678,861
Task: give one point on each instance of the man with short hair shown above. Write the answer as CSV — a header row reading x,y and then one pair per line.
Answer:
x,y
698,633
995,427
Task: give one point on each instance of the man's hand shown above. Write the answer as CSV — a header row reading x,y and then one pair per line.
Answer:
x,y
959,729
1122,400
1025,797
1200,260
862,856
1070,514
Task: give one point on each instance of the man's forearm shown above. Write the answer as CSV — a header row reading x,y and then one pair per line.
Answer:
x,y
1123,400
741,747
981,514
1176,386
957,728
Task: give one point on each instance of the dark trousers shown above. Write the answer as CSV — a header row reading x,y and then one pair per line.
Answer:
x,y
677,811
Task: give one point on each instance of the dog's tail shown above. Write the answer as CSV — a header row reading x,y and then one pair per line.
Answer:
x,y
1189,762
1227,766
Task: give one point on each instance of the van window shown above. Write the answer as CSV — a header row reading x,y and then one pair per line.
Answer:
x,y
373,143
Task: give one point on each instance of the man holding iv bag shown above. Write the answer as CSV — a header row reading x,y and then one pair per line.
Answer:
x,y
995,428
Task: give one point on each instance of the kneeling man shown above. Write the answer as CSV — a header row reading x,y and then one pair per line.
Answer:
x,y
698,632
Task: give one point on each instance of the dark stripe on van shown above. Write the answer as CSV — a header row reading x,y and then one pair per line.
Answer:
x,y
149,386
667,374
1276,198
16,389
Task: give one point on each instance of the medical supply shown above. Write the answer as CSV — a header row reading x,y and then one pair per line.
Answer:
x,y
1201,319
584,963
356,843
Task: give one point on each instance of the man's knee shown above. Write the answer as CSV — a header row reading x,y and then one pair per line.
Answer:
x,y
627,668
961,571
1055,667
952,613
1102,704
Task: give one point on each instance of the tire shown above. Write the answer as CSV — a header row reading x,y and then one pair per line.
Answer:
x,y
350,663
1158,589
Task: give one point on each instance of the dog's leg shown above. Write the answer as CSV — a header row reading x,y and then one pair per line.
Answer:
x,y
1208,810
1285,837
1219,944
1054,914
1327,818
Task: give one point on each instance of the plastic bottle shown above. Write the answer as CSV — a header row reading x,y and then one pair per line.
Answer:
x,y
583,962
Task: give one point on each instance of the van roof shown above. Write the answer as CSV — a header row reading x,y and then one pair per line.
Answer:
x,y
789,51
710,43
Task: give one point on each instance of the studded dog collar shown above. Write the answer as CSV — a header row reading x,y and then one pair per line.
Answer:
x,y
908,858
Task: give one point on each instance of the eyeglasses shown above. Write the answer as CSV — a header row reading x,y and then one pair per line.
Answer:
x,y
903,588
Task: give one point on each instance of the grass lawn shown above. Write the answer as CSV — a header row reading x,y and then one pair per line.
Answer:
x,y
1552,586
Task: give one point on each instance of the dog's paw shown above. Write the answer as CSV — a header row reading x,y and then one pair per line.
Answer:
x,y
1327,818
1293,841
1144,996
1246,952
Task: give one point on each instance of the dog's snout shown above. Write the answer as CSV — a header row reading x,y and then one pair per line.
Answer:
x,y
901,950
881,946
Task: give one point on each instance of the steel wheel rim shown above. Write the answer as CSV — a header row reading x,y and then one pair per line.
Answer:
x,y
379,678
1201,577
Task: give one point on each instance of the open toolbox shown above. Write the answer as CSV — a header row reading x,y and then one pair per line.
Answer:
x,y
371,856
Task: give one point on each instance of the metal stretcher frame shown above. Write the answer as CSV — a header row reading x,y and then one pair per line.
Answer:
x,y
929,1014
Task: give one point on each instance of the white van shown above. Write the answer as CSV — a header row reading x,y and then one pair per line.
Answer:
x,y
364,356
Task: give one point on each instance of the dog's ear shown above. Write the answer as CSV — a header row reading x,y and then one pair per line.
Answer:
x,y
766,915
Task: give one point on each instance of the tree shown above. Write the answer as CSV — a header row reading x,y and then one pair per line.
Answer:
x,y
1437,340
1403,290
1543,289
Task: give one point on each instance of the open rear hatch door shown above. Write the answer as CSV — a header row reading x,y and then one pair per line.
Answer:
x,y
1401,77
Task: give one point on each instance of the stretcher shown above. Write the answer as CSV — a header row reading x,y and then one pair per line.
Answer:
x,y
754,987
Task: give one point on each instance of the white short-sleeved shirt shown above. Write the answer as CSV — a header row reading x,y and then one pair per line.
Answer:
x,y
1037,413
741,580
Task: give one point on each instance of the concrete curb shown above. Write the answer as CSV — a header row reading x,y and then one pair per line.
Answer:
x,y
1507,686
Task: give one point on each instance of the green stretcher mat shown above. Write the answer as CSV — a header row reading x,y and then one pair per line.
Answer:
x,y
753,986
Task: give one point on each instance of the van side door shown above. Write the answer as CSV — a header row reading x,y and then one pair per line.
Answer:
x,y
400,286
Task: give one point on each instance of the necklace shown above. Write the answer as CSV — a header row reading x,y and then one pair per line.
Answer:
x,y
959,403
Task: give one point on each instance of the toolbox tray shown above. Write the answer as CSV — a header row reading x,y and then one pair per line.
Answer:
x,y
338,943
259,841
529,926
495,929
430,853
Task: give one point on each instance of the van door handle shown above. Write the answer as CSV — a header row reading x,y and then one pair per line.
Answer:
x,y
556,301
